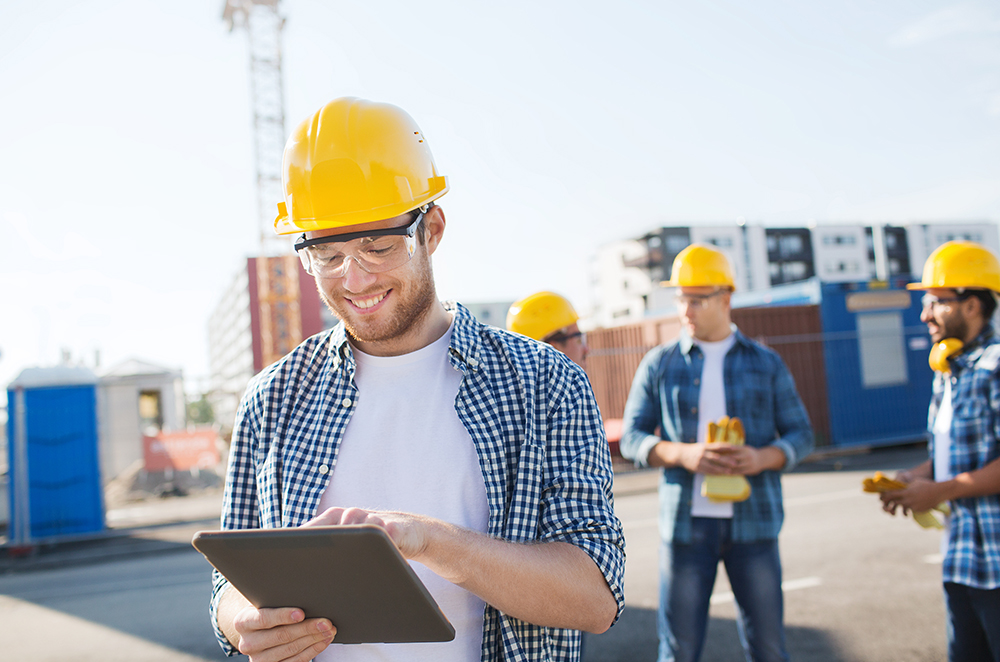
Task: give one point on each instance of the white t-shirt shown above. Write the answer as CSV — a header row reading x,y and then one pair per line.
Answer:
x,y
406,449
942,435
711,407
942,448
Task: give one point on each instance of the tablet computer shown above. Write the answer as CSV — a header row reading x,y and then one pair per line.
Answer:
x,y
353,575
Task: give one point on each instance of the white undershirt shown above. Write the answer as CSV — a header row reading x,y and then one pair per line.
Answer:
x,y
942,435
711,407
942,448
406,449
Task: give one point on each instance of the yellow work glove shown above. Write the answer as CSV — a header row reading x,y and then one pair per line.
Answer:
x,y
926,518
726,488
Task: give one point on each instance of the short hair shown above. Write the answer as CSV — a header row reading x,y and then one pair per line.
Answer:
x,y
987,300
421,239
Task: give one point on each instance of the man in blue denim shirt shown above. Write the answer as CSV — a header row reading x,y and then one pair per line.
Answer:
x,y
961,279
711,371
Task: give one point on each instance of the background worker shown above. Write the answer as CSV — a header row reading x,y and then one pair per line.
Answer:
x,y
712,371
551,318
411,415
961,279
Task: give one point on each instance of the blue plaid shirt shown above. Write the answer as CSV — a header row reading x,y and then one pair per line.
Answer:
x,y
531,414
759,390
973,554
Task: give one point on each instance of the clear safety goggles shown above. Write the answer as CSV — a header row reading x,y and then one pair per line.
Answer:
x,y
566,337
374,251
933,302
695,301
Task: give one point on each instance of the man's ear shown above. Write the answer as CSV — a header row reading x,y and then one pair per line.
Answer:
x,y
433,227
727,298
974,308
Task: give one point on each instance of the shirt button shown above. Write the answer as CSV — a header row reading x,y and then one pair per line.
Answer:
x,y
346,402
694,410
697,381
323,469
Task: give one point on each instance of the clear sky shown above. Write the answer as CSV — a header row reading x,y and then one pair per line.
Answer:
x,y
126,148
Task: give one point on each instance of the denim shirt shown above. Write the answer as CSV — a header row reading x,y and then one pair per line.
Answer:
x,y
530,412
973,554
759,390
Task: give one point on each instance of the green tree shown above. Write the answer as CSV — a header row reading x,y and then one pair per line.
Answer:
x,y
199,412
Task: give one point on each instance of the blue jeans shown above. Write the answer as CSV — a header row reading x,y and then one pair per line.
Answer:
x,y
973,623
687,575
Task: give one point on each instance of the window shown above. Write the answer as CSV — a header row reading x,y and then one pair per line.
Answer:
x,y
150,412
795,271
676,244
880,344
791,244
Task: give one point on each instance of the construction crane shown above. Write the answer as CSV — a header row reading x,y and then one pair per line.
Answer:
x,y
277,272
263,23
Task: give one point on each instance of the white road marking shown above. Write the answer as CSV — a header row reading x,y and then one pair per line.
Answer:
x,y
790,501
790,585
826,496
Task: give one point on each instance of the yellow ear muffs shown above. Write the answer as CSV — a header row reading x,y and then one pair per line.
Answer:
x,y
940,352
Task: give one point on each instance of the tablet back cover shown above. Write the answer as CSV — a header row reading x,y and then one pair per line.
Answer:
x,y
352,575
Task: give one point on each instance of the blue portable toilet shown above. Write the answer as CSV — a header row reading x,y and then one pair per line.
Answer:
x,y
55,486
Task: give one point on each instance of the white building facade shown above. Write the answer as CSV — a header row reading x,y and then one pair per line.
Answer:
x,y
627,276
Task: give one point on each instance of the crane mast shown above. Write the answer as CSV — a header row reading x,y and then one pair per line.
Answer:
x,y
263,23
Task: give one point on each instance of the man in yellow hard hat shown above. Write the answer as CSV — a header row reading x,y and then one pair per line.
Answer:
x,y
961,280
681,390
550,318
411,416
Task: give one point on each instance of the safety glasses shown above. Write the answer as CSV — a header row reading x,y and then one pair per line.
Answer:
x,y
375,251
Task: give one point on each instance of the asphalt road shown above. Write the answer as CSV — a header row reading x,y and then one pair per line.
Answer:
x,y
859,584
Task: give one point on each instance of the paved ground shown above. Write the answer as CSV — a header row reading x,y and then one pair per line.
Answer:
x,y
859,584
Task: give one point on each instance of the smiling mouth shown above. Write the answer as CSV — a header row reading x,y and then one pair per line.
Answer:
x,y
369,302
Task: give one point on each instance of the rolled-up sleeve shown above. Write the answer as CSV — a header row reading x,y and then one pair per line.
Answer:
x,y
795,435
577,504
642,414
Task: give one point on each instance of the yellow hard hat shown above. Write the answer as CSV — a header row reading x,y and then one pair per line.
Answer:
x,y
960,264
701,266
540,315
355,161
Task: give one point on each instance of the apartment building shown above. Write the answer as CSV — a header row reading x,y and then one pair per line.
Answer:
x,y
626,275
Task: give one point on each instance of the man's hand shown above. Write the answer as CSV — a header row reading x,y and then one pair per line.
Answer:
x,y
552,583
273,635
717,459
713,459
749,461
919,495
408,532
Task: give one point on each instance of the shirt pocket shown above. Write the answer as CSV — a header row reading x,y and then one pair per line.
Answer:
x,y
753,400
